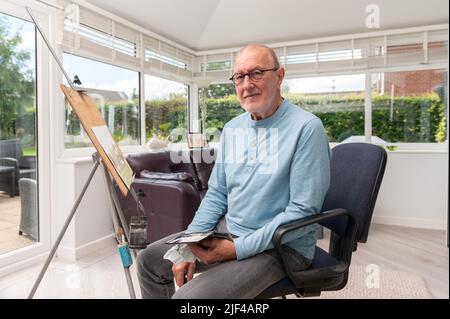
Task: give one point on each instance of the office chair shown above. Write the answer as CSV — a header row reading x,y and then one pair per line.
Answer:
x,y
356,173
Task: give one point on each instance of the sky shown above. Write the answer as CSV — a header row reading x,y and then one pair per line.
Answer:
x,y
340,83
27,33
95,74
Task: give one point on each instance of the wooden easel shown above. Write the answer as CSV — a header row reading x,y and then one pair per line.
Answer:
x,y
90,117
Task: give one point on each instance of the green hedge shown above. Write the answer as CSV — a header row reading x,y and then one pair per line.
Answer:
x,y
412,119
164,115
132,120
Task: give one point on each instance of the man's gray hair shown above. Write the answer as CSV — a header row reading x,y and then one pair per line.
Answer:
x,y
271,51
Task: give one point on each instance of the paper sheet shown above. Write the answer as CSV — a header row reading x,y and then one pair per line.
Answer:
x,y
114,153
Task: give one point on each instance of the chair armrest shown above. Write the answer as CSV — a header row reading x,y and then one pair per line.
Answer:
x,y
11,161
347,244
164,188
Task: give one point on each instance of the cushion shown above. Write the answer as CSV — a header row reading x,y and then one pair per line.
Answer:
x,y
152,161
181,176
189,169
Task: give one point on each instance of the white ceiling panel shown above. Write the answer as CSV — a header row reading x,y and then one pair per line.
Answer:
x,y
213,24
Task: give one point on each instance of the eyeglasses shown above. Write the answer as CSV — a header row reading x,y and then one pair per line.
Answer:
x,y
255,75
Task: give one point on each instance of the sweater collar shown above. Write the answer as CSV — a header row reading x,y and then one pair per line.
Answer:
x,y
271,119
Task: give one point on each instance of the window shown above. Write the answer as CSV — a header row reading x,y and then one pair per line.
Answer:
x,y
115,90
149,54
19,215
216,66
218,105
337,100
340,55
102,38
166,107
410,107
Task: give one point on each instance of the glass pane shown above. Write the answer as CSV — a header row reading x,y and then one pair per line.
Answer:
x,y
337,100
166,107
115,91
18,147
410,107
218,105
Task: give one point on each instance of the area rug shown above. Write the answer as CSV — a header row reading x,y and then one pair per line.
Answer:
x,y
371,282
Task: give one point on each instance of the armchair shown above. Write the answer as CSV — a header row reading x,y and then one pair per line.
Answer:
x,y
357,170
170,191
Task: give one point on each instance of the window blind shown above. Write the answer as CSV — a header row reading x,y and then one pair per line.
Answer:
x,y
91,34
359,54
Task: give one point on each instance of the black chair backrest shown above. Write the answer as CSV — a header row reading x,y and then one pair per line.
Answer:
x,y
356,173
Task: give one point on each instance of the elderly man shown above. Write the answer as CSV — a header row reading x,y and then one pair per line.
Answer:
x,y
272,167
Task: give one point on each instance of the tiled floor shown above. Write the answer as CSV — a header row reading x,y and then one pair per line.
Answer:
x,y
413,251
99,275
9,224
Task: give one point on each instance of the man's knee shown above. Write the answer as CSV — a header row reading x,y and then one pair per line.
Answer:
x,y
186,293
150,260
199,290
142,260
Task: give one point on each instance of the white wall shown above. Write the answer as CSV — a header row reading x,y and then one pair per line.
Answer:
x,y
91,228
414,191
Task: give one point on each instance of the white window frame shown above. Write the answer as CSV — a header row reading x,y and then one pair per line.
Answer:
x,y
192,97
86,152
402,146
23,257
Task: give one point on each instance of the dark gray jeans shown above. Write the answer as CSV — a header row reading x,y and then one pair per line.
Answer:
x,y
232,279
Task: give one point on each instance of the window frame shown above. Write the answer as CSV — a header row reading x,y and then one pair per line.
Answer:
x,y
402,146
86,152
89,150
22,257
191,98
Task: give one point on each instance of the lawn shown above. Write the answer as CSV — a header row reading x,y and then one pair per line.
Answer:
x,y
28,151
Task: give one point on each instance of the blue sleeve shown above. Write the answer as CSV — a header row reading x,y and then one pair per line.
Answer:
x,y
214,205
309,180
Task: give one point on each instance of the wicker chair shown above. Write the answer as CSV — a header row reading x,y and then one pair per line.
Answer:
x,y
11,157
29,212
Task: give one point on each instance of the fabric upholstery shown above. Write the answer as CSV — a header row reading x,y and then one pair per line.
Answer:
x,y
182,176
357,170
348,178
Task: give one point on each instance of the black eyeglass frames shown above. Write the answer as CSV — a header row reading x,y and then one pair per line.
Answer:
x,y
254,75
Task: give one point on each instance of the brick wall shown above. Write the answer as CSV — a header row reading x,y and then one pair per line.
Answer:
x,y
412,82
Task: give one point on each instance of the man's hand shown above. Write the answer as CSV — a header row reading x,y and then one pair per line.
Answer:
x,y
213,250
183,272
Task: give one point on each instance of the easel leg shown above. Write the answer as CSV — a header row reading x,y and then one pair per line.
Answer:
x,y
129,283
121,222
63,231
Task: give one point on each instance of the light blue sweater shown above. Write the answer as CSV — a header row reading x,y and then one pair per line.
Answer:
x,y
267,173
